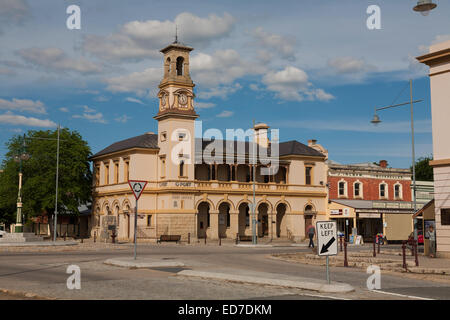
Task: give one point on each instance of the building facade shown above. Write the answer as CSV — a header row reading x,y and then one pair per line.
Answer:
x,y
438,59
195,196
368,199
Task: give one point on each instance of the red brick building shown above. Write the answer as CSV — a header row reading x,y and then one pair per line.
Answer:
x,y
369,199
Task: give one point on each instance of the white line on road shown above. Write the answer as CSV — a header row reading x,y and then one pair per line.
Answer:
x,y
400,295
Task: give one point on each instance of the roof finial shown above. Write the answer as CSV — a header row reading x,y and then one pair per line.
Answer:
x,y
176,34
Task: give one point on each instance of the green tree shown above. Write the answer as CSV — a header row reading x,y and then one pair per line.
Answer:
x,y
39,174
424,172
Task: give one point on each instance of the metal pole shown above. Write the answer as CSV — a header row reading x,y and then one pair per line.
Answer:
x,y
254,179
135,230
413,160
328,271
345,254
56,194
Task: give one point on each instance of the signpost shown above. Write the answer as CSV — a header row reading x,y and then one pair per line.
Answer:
x,y
327,241
137,186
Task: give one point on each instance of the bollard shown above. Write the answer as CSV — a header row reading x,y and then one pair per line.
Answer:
x,y
374,252
404,255
341,242
345,254
220,240
95,236
189,238
65,234
237,238
379,244
82,240
415,254
113,236
205,237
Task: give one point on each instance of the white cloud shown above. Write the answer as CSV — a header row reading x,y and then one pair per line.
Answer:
x,y
91,115
10,118
282,45
13,12
292,83
357,125
225,114
220,91
204,105
123,119
142,83
55,59
7,72
347,65
138,40
134,100
64,109
101,99
23,105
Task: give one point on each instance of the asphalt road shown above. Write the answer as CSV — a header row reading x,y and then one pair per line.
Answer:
x,y
44,274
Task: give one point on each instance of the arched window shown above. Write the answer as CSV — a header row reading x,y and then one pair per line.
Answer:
x,y
308,208
247,217
398,191
358,189
383,190
168,65
342,189
180,61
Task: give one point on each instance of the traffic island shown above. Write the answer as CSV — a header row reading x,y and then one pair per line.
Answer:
x,y
362,260
271,280
142,263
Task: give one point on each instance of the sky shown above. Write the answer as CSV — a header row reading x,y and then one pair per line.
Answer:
x,y
312,69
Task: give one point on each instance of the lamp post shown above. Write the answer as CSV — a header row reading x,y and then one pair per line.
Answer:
x,y
424,7
254,239
376,120
21,156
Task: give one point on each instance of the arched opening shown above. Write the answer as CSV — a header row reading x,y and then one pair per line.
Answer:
x,y
202,219
180,61
281,220
308,214
224,219
168,66
244,219
263,220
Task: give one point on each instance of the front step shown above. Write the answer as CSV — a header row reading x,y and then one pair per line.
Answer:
x,y
20,237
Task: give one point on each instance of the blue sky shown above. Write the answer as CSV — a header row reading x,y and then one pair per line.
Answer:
x,y
309,68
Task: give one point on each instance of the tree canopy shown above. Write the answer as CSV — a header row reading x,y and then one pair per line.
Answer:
x,y
424,172
39,174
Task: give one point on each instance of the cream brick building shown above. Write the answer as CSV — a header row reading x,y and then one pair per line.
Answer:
x,y
187,195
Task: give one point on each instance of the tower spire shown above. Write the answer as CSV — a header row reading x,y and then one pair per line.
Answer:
x,y
176,34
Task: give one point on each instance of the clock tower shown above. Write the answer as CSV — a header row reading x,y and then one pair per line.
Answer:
x,y
176,115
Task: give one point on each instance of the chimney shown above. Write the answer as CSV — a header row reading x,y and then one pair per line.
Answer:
x,y
311,142
383,164
261,134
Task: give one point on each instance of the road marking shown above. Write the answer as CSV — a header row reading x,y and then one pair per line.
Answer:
x,y
400,295
322,296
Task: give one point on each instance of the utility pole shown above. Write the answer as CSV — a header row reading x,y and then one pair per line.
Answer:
x,y
56,194
254,239
413,159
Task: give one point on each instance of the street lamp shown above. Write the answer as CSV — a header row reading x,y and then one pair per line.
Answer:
x,y
21,156
424,7
376,120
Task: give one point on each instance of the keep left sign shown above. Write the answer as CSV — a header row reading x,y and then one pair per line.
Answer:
x,y
326,238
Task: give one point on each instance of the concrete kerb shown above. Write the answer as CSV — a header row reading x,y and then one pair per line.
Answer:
x,y
334,287
39,244
141,263
242,245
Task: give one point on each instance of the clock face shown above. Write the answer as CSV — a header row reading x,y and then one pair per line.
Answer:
x,y
183,99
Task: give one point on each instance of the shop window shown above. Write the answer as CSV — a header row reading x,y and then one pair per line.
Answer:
x,y
149,220
445,217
